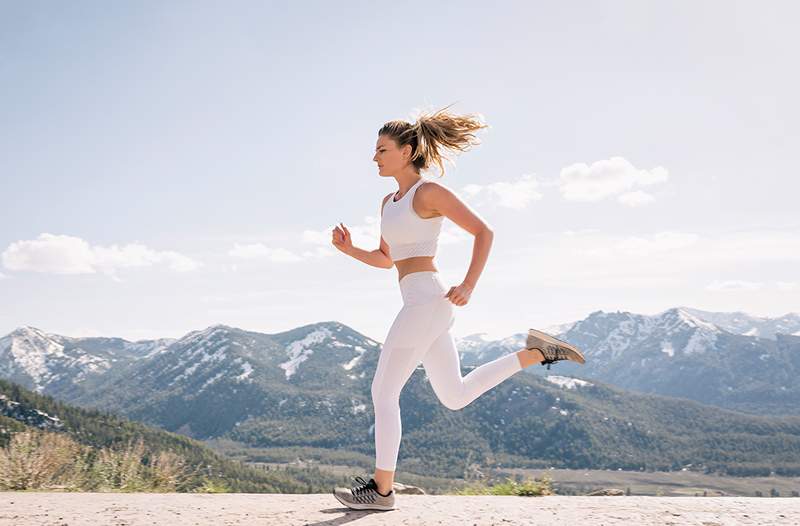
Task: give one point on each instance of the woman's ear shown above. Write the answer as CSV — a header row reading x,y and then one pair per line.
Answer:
x,y
407,152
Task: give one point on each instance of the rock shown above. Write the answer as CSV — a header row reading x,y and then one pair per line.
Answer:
x,y
405,489
606,492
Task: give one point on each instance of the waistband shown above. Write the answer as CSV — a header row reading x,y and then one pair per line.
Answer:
x,y
421,287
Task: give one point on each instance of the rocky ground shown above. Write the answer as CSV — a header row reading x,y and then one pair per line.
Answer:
x,y
176,509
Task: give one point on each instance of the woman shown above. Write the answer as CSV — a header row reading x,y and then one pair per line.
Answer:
x,y
411,220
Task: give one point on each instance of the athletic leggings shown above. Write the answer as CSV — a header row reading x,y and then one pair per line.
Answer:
x,y
421,333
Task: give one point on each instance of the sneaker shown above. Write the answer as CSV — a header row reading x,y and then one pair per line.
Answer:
x,y
364,496
552,348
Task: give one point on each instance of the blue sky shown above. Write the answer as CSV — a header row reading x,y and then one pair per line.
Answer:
x,y
169,165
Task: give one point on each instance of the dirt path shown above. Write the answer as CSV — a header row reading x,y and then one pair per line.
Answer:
x,y
135,509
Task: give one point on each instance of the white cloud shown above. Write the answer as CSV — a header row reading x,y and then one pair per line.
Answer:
x,y
318,252
636,198
733,284
580,182
261,251
515,194
63,254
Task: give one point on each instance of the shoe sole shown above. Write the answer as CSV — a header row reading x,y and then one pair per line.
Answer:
x,y
573,351
358,506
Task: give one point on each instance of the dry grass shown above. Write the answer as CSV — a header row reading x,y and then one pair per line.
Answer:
x,y
35,460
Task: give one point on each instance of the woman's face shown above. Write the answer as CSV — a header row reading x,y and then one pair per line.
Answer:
x,y
389,158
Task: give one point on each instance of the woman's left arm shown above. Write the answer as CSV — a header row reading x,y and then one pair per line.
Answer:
x,y
442,200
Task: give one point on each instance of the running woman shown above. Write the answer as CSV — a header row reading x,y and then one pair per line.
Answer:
x,y
411,220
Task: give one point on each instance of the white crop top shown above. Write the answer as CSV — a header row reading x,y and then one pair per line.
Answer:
x,y
406,233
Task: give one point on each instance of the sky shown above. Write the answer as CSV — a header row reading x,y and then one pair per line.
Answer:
x,y
166,166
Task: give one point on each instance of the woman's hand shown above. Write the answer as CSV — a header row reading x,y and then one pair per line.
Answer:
x,y
341,238
459,295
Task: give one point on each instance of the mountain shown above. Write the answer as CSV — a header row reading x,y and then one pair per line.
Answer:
x,y
212,380
310,388
747,325
61,364
680,353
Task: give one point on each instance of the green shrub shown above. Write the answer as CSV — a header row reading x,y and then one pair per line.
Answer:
x,y
535,487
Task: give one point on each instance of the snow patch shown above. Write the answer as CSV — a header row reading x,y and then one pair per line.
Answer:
x,y
566,381
700,341
666,347
694,321
247,370
349,365
211,381
299,351
218,355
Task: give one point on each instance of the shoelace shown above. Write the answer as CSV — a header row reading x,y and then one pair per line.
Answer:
x,y
553,354
362,487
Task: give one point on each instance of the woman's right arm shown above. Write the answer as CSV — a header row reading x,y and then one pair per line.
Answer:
x,y
376,258
380,257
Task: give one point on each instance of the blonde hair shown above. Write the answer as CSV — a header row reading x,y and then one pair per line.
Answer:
x,y
432,133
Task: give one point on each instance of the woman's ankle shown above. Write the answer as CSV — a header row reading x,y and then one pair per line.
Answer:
x,y
528,357
384,479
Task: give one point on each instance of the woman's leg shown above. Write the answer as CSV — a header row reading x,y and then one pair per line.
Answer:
x,y
408,339
443,367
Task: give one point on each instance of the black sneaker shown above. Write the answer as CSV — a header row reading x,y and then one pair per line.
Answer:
x,y
364,496
552,348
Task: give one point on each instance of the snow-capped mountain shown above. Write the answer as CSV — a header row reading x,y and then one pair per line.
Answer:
x,y
221,377
479,347
681,352
215,379
747,325
311,387
51,362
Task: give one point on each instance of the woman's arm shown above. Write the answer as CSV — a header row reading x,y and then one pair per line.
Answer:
x,y
377,258
440,199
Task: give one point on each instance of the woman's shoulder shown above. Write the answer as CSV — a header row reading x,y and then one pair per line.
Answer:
x,y
432,187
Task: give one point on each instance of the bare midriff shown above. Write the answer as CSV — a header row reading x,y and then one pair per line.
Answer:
x,y
414,264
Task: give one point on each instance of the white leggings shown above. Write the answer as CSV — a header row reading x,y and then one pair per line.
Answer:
x,y
421,333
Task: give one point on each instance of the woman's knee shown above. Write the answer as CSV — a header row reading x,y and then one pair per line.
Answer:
x,y
449,393
384,396
454,403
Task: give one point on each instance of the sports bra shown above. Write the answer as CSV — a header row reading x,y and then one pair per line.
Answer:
x,y
406,233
